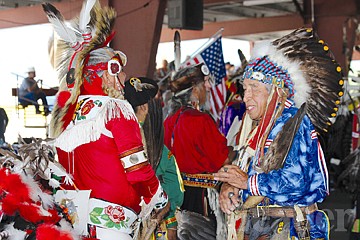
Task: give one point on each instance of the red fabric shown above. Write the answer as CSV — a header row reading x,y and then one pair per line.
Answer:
x,y
92,84
46,232
97,165
62,98
144,181
264,122
198,146
68,116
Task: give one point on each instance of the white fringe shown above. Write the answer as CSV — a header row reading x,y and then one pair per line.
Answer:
x,y
90,130
221,227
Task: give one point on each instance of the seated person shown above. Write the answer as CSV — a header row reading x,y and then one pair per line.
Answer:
x,y
30,93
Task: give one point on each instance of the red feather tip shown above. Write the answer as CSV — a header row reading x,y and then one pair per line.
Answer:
x,y
62,98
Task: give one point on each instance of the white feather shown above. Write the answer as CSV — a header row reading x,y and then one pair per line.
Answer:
x,y
64,32
65,226
60,27
60,171
14,234
54,183
36,193
84,18
301,87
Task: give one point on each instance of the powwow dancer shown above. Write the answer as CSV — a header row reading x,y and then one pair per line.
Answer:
x,y
292,87
97,135
200,150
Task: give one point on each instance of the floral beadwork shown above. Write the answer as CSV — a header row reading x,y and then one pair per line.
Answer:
x,y
110,217
84,107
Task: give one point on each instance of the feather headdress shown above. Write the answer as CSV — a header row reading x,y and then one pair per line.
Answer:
x,y
302,63
77,71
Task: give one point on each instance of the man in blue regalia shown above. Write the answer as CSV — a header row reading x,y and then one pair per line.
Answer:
x,y
292,87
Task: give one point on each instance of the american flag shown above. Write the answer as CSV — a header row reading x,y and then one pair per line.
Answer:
x,y
211,54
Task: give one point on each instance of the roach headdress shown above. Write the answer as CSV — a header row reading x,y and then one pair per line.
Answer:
x,y
303,64
81,57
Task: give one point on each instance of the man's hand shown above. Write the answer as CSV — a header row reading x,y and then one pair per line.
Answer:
x,y
228,198
233,175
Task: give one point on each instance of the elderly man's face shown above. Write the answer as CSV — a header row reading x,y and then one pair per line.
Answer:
x,y
255,98
205,88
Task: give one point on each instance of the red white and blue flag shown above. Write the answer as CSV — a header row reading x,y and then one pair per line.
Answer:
x,y
212,55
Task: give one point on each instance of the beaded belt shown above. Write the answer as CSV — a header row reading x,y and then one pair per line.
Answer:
x,y
202,180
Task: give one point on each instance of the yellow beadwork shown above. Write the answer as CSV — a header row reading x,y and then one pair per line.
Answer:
x,y
336,109
326,48
321,41
333,114
341,82
338,68
328,123
337,102
341,93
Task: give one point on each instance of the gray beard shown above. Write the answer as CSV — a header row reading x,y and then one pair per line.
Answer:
x,y
206,106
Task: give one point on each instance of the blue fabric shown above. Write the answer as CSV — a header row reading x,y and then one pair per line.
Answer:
x,y
319,226
303,179
31,99
272,73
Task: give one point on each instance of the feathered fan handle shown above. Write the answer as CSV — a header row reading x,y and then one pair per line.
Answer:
x,y
84,20
64,32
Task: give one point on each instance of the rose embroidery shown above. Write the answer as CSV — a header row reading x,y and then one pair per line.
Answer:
x,y
109,217
87,107
116,214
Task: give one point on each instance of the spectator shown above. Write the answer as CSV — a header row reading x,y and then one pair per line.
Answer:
x,y
30,93
163,70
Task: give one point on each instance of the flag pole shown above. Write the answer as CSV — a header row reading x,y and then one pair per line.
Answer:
x,y
207,43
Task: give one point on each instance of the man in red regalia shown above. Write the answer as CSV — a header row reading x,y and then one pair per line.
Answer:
x,y
97,135
194,139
